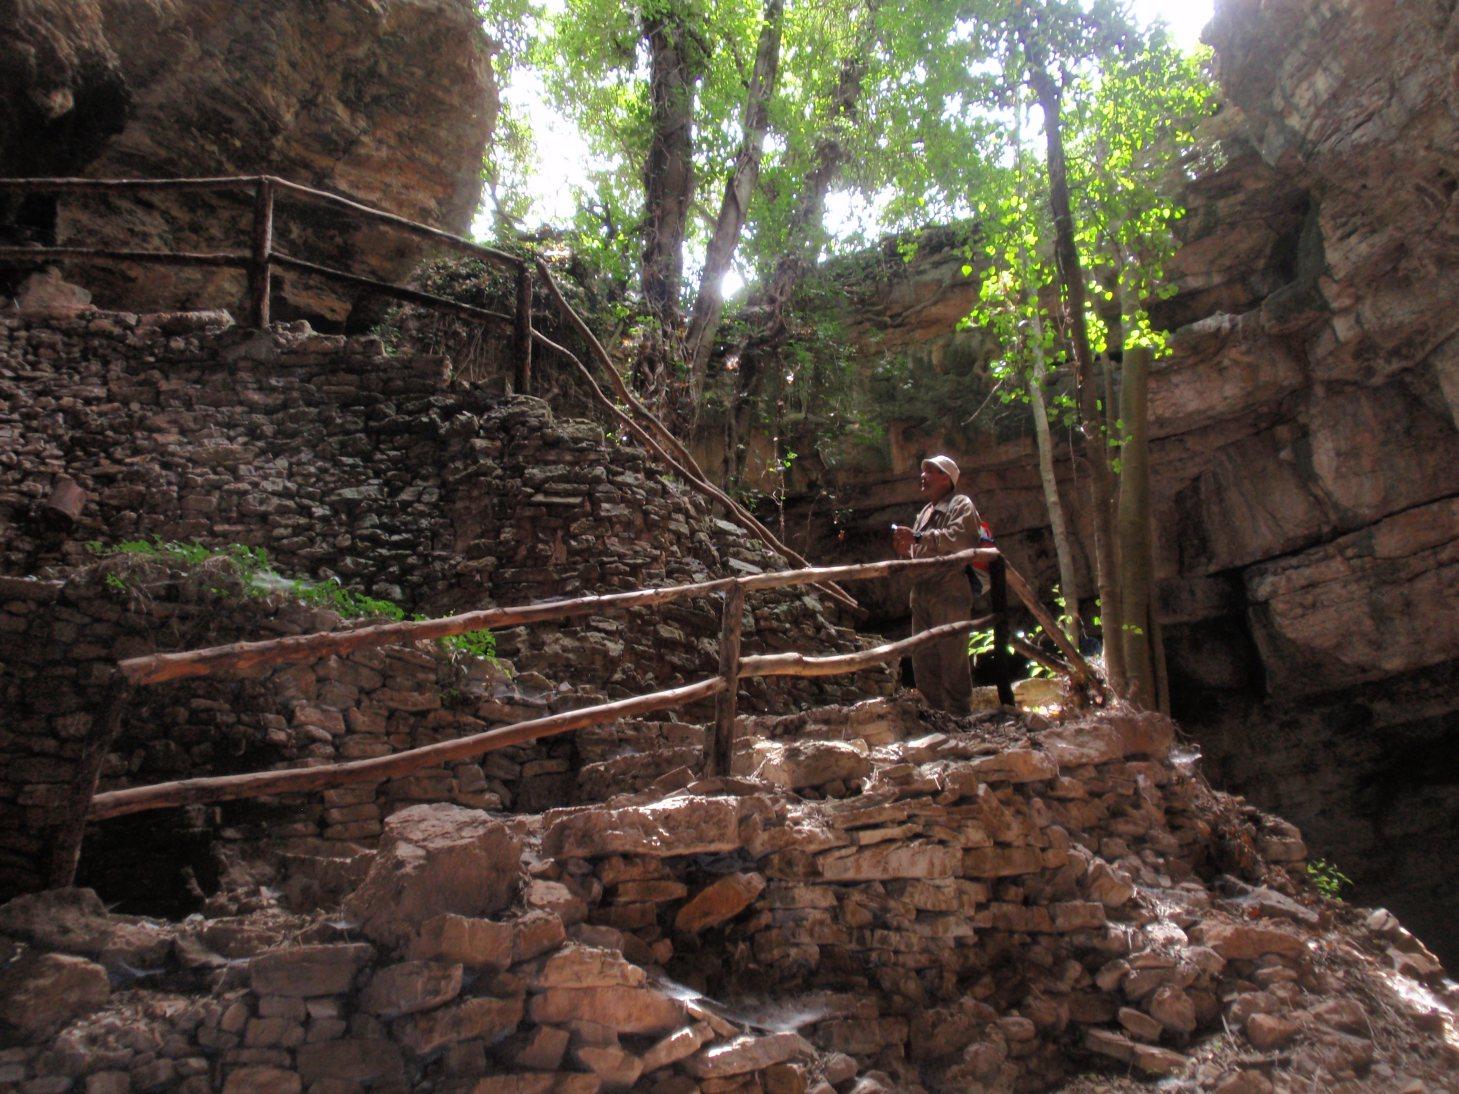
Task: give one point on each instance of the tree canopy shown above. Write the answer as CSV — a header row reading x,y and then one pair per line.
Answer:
x,y
723,131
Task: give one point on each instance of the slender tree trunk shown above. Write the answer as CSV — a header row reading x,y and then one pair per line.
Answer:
x,y
1134,529
1063,549
1071,278
668,179
733,210
1162,670
1114,318
802,235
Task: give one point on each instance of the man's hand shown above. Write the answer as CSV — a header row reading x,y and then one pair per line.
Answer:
x,y
902,540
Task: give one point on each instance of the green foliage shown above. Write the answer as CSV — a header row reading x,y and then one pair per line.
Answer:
x,y
511,25
1129,127
1327,878
334,596
1040,638
905,144
252,568
474,643
980,643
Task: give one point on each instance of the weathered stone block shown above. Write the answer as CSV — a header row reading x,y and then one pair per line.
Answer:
x,y
352,1060
629,1010
435,859
302,971
411,986
719,902
39,993
689,825
487,1019
475,943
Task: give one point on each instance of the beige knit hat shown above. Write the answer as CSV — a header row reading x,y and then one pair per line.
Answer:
x,y
943,464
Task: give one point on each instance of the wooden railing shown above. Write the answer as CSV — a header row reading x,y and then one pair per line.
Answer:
x,y
262,258
723,687
86,805
259,263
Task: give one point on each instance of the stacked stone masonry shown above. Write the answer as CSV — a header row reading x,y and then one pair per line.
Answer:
x,y
994,904
341,462
344,462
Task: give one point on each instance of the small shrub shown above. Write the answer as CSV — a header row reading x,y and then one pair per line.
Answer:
x,y
1327,878
252,567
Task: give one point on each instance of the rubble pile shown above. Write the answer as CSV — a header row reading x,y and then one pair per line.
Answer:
x,y
879,902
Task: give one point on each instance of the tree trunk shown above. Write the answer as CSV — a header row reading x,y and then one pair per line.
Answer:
x,y
1071,278
668,183
733,210
1134,529
801,237
1114,351
1063,549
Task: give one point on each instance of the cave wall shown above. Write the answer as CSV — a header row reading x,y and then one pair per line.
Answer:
x,y
1332,525
1304,441
391,102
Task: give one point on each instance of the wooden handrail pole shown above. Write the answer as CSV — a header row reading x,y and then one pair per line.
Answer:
x,y
66,843
159,668
260,270
720,755
1082,670
455,242
798,664
1047,660
294,780
998,594
522,342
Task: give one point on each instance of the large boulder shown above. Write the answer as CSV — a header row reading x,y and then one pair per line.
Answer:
x,y
392,101
75,921
689,824
436,859
40,993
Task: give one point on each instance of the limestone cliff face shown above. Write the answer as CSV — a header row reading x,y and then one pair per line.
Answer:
x,y
61,87
1310,417
390,100
1304,435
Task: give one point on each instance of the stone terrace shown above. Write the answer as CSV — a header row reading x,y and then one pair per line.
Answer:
x,y
344,462
999,904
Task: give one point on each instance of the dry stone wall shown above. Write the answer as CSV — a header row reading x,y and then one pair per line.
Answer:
x,y
59,642
874,904
344,462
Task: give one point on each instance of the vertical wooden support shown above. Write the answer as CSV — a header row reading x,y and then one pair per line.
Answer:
x,y
726,703
66,850
260,266
522,342
1133,525
1002,656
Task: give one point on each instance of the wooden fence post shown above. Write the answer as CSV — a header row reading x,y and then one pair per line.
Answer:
x,y
722,748
260,267
522,343
1002,658
66,848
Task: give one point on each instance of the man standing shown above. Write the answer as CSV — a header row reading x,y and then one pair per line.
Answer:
x,y
947,524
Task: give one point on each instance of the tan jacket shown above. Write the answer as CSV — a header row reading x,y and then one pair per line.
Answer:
x,y
946,528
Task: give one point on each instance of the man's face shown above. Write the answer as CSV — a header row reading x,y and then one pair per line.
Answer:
x,y
935,484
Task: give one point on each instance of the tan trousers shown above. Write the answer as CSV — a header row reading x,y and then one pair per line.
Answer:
x,y
943,669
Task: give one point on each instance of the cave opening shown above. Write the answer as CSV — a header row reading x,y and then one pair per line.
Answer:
x,y
163,864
